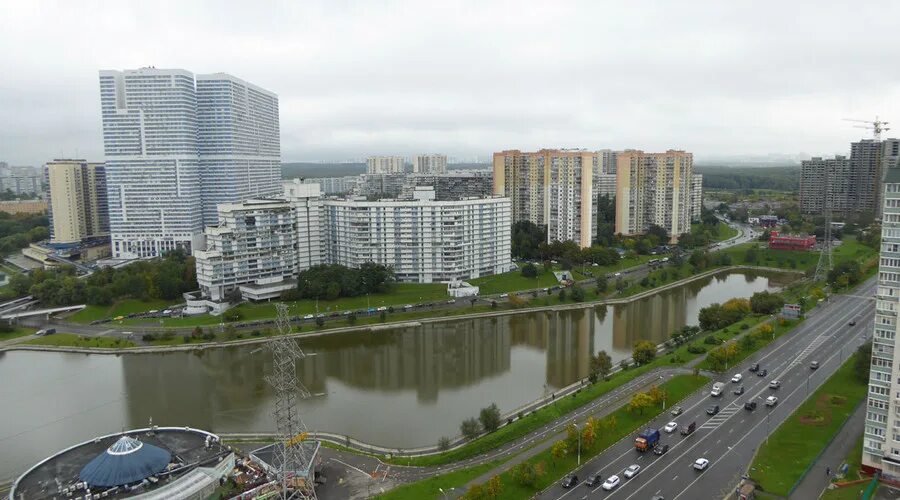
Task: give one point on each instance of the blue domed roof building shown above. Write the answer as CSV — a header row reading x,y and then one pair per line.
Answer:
x,y
127,461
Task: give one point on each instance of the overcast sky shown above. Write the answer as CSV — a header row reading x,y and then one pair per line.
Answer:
x,y
358,78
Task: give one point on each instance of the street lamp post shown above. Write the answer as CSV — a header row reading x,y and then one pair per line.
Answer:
x,y
579,441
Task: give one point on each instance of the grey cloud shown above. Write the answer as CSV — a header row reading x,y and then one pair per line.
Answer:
x,y
469,78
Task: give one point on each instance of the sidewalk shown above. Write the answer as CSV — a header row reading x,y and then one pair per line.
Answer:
x,y
816,481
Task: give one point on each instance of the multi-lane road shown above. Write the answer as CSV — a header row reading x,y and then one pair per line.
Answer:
x,y
729,440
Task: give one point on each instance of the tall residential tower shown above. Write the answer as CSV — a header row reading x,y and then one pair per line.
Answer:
x,y
174,147
654,188
77,199
552,188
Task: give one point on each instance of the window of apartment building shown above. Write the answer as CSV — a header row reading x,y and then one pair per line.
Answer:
x,y
875,431
875,417
881,405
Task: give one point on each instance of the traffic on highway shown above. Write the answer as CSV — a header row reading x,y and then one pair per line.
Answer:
x,y
753,398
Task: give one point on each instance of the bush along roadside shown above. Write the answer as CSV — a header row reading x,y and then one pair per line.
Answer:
x,y
596,435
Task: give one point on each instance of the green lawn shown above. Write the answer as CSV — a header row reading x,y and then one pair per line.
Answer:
x,y
627,423
429,488
797,442
721,232
849,249
779,329
513,281
72,340
119,308
402,294
18,332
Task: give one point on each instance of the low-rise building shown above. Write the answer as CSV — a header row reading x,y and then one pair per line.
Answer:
x,y
450,186
791,241
23,206
335,185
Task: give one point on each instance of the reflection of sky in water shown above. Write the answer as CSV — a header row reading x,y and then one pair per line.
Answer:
x,y
404,387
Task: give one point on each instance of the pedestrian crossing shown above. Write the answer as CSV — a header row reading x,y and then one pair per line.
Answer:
x,y
718,419
818,341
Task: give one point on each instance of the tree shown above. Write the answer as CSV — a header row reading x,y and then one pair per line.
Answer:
x,y
233,296
382,316
351,319
601,364
589,432
861,364
562,295
639,402
656,394
232,315
494,487
197,332
470,428
643,352
526,473
444,443
527,238
559,451
845,274
490,418
320,321
765,302
529,270
751,255
476,492
573,435
577,293
602,285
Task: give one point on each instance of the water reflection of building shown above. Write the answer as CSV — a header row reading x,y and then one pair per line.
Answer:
x,y
425,358
653,318
570,344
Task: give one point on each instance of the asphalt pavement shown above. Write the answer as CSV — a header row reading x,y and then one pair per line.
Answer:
x,y
729,439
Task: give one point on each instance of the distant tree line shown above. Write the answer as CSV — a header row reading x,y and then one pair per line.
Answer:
x,y
331,281
746,178
165,278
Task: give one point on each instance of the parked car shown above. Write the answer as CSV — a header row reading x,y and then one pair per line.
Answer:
x,y
701,463
738,390
771,401
762,373
712,410
754,367
670,427
569,481
736,378
775,384
677,411
814,365
594,480
611,483
661,450
451,301
750,405
504,295
308,316
631,471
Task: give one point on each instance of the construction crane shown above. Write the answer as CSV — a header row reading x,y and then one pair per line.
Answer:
x,y
877,126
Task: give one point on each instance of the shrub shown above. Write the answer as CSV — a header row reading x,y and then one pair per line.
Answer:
x,y
696,349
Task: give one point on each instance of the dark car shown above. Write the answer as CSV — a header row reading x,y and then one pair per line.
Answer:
x,y
595,480
750,405
570,481
685,431
762,373
661,450
712,410
738,391
754,367
853,322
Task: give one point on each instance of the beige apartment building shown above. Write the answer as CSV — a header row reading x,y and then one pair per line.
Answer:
x,y
653,188
77,200
551,187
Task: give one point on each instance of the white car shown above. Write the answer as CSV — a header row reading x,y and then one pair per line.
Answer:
x,y
701,463
504,295
611,483
737,378
382,308
771,401
671,427
308,316
408,306
631,471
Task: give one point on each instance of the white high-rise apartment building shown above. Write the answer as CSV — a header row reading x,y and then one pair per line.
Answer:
x,y
425,241
696,196
430,164
654,188
260,245
385,165
161,131
881,443
239,141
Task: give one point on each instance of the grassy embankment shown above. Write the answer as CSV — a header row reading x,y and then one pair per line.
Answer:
x,y
782,461
72,340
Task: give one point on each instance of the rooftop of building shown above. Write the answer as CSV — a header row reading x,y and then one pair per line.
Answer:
x,y
187,449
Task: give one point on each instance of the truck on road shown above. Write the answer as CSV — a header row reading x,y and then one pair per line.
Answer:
x,y
646,440
717,389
